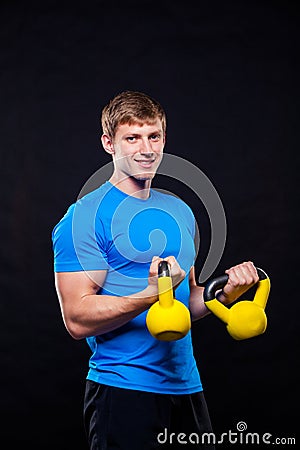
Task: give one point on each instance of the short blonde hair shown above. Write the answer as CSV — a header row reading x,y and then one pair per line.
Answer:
x,y
131,107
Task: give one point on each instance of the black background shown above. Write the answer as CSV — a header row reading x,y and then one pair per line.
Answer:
x,y
227,74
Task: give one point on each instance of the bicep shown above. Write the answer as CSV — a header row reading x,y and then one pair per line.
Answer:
x,y
72,287
192,278
197,306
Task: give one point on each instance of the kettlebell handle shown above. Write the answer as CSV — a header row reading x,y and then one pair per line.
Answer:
x,y
218,283
168,319
163,269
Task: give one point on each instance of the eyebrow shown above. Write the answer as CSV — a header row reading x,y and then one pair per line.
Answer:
x,y
139,134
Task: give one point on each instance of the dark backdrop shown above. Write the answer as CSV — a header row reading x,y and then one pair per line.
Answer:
x,y
227,74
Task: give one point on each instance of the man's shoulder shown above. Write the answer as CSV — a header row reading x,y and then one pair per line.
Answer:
x,y
95,196
88,206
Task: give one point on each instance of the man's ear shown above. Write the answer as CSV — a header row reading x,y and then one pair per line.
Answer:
x,y
107,144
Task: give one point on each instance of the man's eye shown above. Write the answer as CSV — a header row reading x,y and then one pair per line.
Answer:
x,y
155,137
131,138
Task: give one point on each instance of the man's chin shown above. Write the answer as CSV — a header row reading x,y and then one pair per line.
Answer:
x,y
144,176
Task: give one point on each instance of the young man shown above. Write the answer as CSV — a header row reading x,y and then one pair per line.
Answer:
x,y
106,253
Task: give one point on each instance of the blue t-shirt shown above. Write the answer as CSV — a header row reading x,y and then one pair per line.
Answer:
x,y
110,230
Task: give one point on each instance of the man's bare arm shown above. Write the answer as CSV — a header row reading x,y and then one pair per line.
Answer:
x,y
241,278
85,313
197,306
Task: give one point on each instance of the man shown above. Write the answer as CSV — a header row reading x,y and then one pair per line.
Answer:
x,y
106,250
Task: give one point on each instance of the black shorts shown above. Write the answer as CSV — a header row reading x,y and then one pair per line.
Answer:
x,y
127,419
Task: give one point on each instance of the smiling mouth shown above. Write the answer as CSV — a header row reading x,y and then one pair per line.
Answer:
x,y
145,163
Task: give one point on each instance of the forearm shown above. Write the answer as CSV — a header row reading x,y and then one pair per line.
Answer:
x,y
197,307
97,314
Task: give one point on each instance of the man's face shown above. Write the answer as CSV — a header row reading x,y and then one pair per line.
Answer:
x,y
137,150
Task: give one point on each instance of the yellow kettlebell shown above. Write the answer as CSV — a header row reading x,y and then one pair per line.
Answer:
x,y
168,319
244,319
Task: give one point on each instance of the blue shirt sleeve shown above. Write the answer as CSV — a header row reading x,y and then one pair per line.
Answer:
x,y
77,244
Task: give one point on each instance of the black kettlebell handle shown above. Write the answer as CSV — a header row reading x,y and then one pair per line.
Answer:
x,y
163,269
218,283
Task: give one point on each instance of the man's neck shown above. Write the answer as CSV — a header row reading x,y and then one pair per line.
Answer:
x,y
132,186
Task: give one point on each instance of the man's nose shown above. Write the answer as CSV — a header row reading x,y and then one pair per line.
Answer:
x,y
146,148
